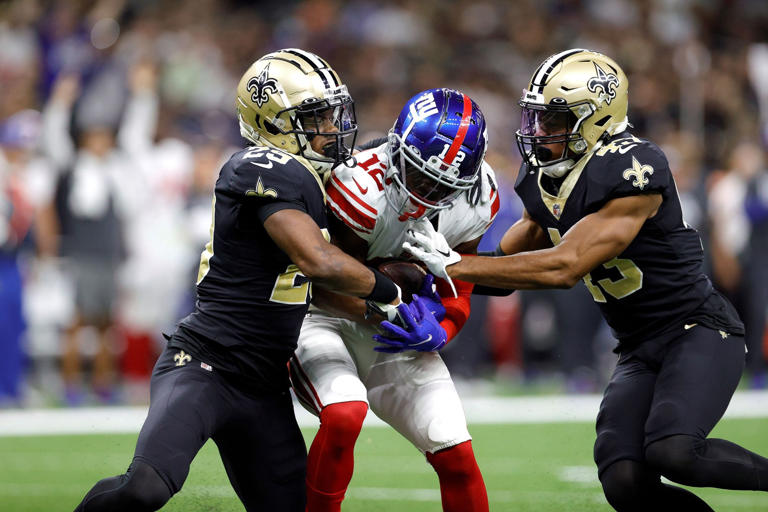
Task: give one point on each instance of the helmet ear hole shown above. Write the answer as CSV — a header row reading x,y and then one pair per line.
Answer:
x,y
272,129
602,121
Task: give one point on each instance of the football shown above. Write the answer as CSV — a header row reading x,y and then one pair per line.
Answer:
x,y
408,276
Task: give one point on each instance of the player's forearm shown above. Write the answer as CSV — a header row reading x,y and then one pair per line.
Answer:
x,y
331,268
343,306
546,268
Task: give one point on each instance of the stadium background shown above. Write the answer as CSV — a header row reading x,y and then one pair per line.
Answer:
x,y
75,70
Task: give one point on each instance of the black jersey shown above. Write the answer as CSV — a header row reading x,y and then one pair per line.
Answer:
x,y
251,299
657,284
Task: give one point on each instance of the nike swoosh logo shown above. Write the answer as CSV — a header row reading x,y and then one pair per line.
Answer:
x,y
446,254
362,190
429,338
689,326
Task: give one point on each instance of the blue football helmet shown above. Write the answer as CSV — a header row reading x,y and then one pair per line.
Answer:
x,y
435,149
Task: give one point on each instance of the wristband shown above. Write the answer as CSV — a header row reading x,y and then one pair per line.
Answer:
x,y
496,252
384,289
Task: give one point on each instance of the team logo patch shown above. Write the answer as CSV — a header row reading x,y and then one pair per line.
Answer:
x,y
606,82
182,358
260,191
260,85
637,173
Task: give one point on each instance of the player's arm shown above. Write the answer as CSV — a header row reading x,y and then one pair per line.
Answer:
x,y
457,308
323,263
524,235
343,306
593,240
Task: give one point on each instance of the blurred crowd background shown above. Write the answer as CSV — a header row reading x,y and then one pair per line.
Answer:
x,y
115,116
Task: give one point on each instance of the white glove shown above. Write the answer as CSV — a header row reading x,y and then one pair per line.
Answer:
x,y
426,244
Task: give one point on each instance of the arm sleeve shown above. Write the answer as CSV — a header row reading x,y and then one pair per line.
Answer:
x,y
456,308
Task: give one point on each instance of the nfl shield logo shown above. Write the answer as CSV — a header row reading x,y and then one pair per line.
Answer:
x,y
556,210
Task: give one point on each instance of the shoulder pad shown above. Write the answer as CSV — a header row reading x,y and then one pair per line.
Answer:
x,y
267,173
355,195
627,166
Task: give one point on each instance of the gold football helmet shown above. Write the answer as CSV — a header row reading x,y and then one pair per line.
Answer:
x,y
290,96
575,98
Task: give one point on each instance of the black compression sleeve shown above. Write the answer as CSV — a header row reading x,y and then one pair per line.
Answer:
x,y
384,289
496,252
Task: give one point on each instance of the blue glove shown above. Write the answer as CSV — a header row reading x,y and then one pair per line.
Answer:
x,y
422,333
428,294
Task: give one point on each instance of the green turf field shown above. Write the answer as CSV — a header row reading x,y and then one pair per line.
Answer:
x,y
534,467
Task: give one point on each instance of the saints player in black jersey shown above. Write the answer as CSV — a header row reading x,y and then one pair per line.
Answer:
x,y
601,206
224,372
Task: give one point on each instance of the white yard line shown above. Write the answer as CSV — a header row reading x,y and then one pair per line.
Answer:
x,y
479,410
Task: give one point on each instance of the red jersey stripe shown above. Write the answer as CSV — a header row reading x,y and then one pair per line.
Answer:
x,y
495,205
340,202
340,215
336,182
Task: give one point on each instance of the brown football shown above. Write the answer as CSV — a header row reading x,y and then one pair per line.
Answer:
x,y
408,276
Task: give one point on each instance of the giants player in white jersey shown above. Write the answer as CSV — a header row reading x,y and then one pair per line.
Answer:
x,y
430,169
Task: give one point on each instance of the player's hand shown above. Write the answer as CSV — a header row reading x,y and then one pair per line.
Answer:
x,y
422,330
426,244
428,294
388,311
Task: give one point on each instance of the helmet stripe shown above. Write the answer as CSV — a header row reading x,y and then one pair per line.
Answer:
x,y
461,133
317,65
541,75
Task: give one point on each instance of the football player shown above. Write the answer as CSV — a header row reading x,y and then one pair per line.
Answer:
x,y
601,206
224,372
430,170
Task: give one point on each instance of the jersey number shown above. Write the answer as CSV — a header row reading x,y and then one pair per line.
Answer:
x,y
207,254
289,287
286,289
631,276
270,154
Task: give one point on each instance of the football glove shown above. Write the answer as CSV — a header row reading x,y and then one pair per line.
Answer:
x,y
422,331
388,311
428,294
426,244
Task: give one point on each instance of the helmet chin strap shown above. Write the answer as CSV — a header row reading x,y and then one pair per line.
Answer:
x,y
559,169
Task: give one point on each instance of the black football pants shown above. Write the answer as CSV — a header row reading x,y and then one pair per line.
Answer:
x,y
258,438
663,400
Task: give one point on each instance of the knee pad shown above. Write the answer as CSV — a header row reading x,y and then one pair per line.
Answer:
x,y
140,489
608,450
626,483
673,455
343,421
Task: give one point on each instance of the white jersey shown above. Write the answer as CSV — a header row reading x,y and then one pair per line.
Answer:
x,y
335,361
356,196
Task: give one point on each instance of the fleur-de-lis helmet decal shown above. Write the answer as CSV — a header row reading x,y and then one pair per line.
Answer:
x,y
606,82
260,85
